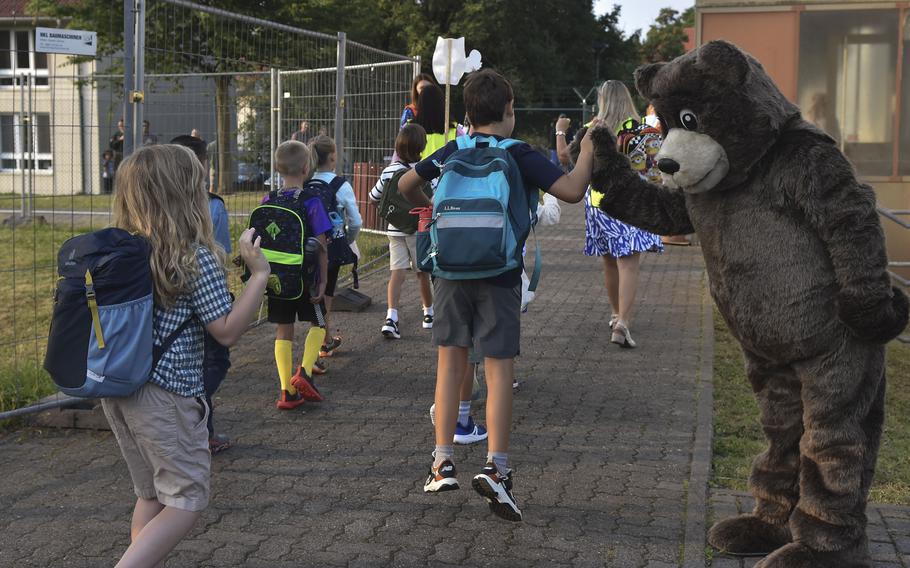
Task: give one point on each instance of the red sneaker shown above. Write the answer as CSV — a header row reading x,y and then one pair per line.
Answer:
x,y
306,387
287,401
329,348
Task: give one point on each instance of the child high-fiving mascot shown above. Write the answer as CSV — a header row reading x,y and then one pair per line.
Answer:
x,y
796,260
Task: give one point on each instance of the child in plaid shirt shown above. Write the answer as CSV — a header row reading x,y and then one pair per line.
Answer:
x,y
161,428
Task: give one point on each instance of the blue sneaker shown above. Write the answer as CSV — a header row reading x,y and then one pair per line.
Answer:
x,y
469,434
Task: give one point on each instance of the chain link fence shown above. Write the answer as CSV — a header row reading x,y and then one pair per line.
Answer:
x,y
242,84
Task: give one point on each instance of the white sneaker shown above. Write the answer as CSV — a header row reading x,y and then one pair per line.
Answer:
x,y
427,321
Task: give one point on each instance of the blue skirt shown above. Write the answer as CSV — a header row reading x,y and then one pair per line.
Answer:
x,y
605,235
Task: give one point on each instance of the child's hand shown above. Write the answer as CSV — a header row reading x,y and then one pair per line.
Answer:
x,y
563,124
586,144
252,254
321,292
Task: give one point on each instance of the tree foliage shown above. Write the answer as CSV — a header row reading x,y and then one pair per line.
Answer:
x,y
667,36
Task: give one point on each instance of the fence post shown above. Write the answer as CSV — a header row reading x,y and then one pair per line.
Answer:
x,y
416,67
279,98
339,103
140,73
128,79
32,139
23,144
275,99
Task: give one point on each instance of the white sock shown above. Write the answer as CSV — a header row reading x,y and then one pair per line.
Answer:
x,y
392,314
500,460
443,453
428,311
464,412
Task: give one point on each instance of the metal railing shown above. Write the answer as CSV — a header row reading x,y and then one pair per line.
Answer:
x,y
897,216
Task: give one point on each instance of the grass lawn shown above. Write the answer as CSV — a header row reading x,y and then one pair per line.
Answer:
x,y
738,436
28,256
239,202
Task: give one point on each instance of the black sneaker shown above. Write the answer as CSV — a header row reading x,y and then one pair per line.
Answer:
x,y
427,321
497,490
441,478
390,329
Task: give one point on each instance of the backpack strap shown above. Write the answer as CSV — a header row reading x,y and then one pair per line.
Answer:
x,y
215,197
538,262
336,183
465,142
507,143
158,351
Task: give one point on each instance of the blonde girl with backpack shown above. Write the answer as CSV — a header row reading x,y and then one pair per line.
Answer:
x,y
161,428
619,244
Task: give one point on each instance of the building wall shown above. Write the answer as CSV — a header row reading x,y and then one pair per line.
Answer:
x,y
770,31
751,30
61,99
784,3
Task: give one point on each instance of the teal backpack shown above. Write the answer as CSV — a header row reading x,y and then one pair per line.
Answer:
x,y
482,214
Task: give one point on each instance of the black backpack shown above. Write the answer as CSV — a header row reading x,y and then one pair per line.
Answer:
x,y
339,251
282,225
394,208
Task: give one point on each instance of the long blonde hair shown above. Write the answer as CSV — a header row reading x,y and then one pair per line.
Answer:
x,y
614,105
159,193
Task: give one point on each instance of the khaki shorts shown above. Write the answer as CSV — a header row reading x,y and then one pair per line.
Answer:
x,y
164,440
403,252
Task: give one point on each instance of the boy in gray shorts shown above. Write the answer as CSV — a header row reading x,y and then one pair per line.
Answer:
x,y
485,313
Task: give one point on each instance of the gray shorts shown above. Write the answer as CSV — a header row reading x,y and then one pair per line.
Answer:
x,y
475,313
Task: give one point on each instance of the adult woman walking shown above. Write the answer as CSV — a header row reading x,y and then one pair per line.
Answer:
x,y
419,83
616,242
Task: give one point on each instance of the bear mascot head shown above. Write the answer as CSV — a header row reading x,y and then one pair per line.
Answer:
x,y
795,256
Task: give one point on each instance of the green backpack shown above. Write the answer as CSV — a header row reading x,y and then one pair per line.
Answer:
x,y
395,209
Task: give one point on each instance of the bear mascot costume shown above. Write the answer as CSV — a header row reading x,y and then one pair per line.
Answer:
x,y
796,260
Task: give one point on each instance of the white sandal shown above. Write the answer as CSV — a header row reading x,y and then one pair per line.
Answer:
x,y
621,336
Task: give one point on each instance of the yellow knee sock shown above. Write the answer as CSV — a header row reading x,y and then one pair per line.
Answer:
x,y
311,348
284,360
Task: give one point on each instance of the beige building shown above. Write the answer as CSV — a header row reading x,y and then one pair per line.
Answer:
x,y
847,65
47,142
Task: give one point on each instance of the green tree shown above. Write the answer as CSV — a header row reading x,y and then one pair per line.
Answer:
x,y
666,38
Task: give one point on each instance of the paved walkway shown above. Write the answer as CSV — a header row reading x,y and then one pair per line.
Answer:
x,y
602,447
605,444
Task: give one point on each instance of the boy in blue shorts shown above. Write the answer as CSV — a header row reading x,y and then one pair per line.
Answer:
x,y
485,313
295,164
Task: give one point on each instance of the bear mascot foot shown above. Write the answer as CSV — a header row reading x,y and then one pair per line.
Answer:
x,y
797,555
747,535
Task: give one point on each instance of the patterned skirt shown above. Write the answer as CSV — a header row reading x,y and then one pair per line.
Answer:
x,y
605,235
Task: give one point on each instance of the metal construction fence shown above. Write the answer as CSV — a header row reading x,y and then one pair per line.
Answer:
x,y
165,68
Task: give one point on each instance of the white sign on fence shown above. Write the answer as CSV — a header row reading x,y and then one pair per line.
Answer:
x,y
70,42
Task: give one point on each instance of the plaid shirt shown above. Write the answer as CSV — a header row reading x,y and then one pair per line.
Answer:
x,y
180,368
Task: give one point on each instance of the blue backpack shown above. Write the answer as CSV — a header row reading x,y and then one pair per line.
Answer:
x,y
482,214
101,342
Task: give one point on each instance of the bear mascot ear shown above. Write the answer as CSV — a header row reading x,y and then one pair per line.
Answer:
x,y
723,60
643,77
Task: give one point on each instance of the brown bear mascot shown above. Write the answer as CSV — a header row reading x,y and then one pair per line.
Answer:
x,y
796,260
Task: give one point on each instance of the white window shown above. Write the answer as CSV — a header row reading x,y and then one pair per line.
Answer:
x,y
20,145
18,57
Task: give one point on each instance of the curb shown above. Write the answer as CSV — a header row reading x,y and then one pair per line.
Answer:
x,y
697,500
